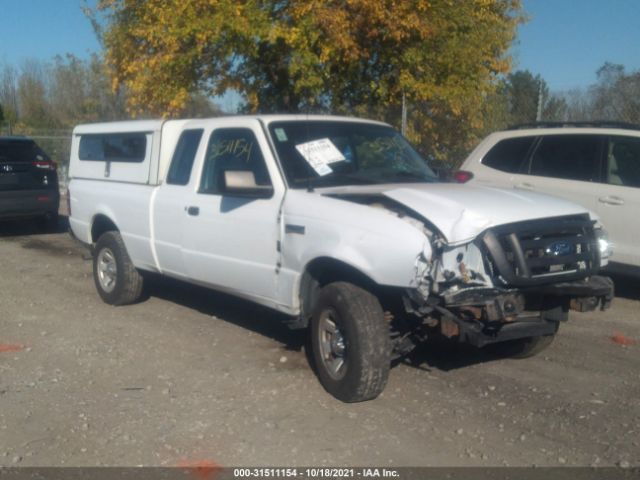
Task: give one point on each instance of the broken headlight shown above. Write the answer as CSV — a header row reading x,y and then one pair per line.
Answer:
x,y
604,245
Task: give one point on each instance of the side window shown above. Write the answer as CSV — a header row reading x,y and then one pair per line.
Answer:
x,y
509,155
183,157
232,149
574,157
113,147
623,161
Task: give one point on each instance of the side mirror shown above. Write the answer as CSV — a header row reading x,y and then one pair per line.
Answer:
x,y
242,183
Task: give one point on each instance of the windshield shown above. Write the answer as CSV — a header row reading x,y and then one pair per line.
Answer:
x,y
325,153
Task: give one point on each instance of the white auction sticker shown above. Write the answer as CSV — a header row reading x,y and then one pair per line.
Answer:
x,y
319,154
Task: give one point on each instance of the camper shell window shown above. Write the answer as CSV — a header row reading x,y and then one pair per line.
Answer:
x,y
114,147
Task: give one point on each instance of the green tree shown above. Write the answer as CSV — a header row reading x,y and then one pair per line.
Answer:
x,y
354,56
516,101
523,91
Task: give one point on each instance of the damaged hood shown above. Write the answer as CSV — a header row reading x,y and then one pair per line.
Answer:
x,y
462,212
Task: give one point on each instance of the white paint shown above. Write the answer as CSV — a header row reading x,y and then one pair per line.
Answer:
x,y
461,212
136,172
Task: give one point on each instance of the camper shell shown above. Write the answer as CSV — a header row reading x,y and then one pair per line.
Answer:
x,y
137,151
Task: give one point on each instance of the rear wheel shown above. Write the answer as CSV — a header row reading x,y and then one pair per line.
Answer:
x,y
521,348
350,342
117,280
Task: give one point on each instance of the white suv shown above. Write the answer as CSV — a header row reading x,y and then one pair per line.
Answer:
x,y
594,164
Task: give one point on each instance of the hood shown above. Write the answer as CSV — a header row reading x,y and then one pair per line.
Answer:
x,y
462,212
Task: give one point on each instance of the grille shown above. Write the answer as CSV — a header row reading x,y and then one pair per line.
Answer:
x,y
542,251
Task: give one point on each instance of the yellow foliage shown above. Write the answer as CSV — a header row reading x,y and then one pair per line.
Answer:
x,y
350,55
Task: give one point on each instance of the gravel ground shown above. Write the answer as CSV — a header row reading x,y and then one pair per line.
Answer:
x,y
190,375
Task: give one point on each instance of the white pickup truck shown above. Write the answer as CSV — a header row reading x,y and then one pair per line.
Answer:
x,y
339,224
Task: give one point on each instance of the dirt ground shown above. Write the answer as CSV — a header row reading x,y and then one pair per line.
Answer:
x,y
190,375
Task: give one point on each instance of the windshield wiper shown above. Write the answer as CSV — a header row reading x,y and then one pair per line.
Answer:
x,y
413,176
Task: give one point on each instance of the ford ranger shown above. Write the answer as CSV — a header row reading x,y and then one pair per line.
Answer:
x,y
339,224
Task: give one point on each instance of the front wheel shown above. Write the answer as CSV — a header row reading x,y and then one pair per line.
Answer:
x,y
117,280
350,342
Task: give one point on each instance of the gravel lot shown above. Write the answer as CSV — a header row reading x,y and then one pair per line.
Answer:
x,y
190,375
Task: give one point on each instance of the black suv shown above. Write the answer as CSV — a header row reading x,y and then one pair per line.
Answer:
x,y
28,182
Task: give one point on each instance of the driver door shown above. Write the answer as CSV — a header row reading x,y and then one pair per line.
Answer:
x,y
231,242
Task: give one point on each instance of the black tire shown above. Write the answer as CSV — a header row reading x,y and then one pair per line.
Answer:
x,y
362,338
521,348
117,280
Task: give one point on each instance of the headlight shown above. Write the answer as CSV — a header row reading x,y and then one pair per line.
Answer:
x,y
604,244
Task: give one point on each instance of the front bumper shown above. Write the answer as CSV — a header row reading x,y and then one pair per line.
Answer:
x,y
586,295
483,316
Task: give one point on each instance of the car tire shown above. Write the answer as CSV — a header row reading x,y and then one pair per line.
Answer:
x,y
117,280
521,348
350,342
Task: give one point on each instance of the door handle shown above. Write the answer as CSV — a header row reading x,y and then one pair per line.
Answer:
x,y
193,211
525,186
611,200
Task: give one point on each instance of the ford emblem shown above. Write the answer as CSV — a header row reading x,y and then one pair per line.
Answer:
x,y
559,249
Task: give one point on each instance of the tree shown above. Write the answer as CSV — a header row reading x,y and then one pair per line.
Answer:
x,y
516,101
9,96
33,103
354,56
523,90
80,91
616,95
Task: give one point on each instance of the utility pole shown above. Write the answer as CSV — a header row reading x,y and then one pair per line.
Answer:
x,y
403,130
539,111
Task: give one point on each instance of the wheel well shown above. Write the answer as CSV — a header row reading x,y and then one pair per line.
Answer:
x,y
101,224
322,271
326,270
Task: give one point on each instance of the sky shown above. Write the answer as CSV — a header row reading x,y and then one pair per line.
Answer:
x,y
565,41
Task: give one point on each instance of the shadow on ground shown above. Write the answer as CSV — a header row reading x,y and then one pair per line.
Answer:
x,y
239,312
626,286
439,354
